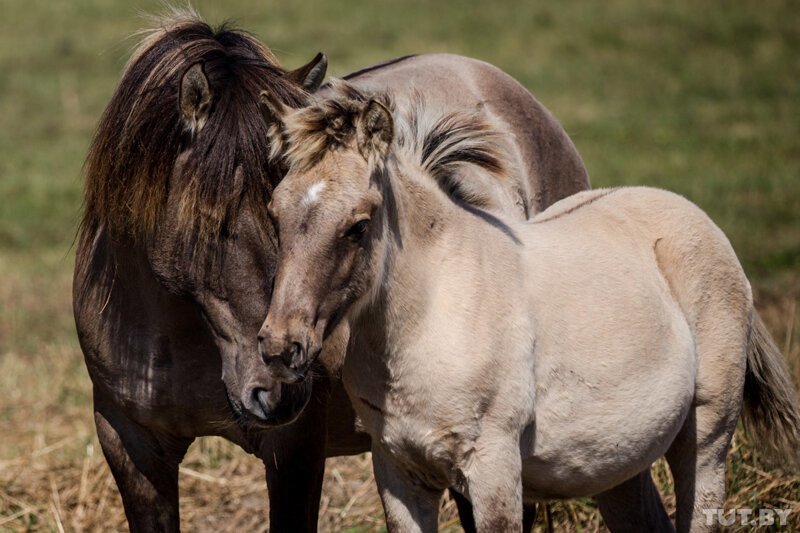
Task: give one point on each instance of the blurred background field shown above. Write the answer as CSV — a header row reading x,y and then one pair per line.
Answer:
x,y
702,98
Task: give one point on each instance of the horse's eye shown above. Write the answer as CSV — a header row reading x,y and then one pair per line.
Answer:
x,y
357,230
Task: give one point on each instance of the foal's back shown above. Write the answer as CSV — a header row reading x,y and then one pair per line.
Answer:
x,y
651,243
659,230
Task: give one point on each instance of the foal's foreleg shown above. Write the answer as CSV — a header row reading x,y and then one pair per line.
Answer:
x,y
409,506
144,465
494,482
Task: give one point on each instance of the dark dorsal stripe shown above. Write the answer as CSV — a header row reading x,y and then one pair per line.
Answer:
x,y
378,66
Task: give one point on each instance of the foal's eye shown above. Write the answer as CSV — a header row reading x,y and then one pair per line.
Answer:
x,y
357,230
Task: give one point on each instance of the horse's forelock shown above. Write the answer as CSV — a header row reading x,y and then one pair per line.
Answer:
x,y
141,132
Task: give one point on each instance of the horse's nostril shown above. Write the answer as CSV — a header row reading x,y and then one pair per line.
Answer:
x,y
263,399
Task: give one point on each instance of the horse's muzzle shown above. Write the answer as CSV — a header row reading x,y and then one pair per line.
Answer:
x,y
280,404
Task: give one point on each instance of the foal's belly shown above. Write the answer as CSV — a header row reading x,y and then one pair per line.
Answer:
x,y
589,438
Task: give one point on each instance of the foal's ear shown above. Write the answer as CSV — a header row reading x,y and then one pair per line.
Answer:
x,y
374,130
195,98
310,75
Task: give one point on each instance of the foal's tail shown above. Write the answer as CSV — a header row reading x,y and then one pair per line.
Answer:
x,y
771,411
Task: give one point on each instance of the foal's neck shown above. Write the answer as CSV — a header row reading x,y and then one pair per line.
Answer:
x,y
426,233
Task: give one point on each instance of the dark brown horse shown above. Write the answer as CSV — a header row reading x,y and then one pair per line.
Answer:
x,y
175,238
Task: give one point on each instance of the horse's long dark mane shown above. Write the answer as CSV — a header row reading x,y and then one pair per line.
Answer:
x,y
141,133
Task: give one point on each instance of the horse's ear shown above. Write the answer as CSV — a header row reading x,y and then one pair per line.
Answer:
x,y
274,111
195,98
374,130
310,75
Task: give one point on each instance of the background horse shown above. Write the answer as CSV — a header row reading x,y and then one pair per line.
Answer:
x,y
553,358
170,287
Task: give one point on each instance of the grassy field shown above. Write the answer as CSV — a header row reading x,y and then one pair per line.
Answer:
x,y
700,98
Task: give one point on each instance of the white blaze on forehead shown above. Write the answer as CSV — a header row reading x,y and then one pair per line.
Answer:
x,y
313,192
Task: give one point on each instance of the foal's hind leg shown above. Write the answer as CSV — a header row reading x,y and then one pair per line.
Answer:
x,y
145,467
697,461
634,505
697,455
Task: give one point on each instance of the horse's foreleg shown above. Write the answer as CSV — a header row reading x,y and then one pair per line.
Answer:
x,y
409,506
144,465
464,512
634,505
494,482
294,456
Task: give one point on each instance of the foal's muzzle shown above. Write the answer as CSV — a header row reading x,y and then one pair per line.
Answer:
x,y
288,356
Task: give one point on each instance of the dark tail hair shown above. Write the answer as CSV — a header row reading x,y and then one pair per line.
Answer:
x,y
771,411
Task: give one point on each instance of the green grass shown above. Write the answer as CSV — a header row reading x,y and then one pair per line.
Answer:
x,y
699,98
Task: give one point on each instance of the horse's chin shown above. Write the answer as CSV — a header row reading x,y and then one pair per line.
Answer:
x,y
294,398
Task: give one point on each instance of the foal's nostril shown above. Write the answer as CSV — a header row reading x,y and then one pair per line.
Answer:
x,y
297,349
261,345
293,355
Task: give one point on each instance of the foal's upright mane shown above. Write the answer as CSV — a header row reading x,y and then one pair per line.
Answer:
x,y
141,133
437,142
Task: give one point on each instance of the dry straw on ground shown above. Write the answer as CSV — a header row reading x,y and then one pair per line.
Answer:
x,y
53,476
